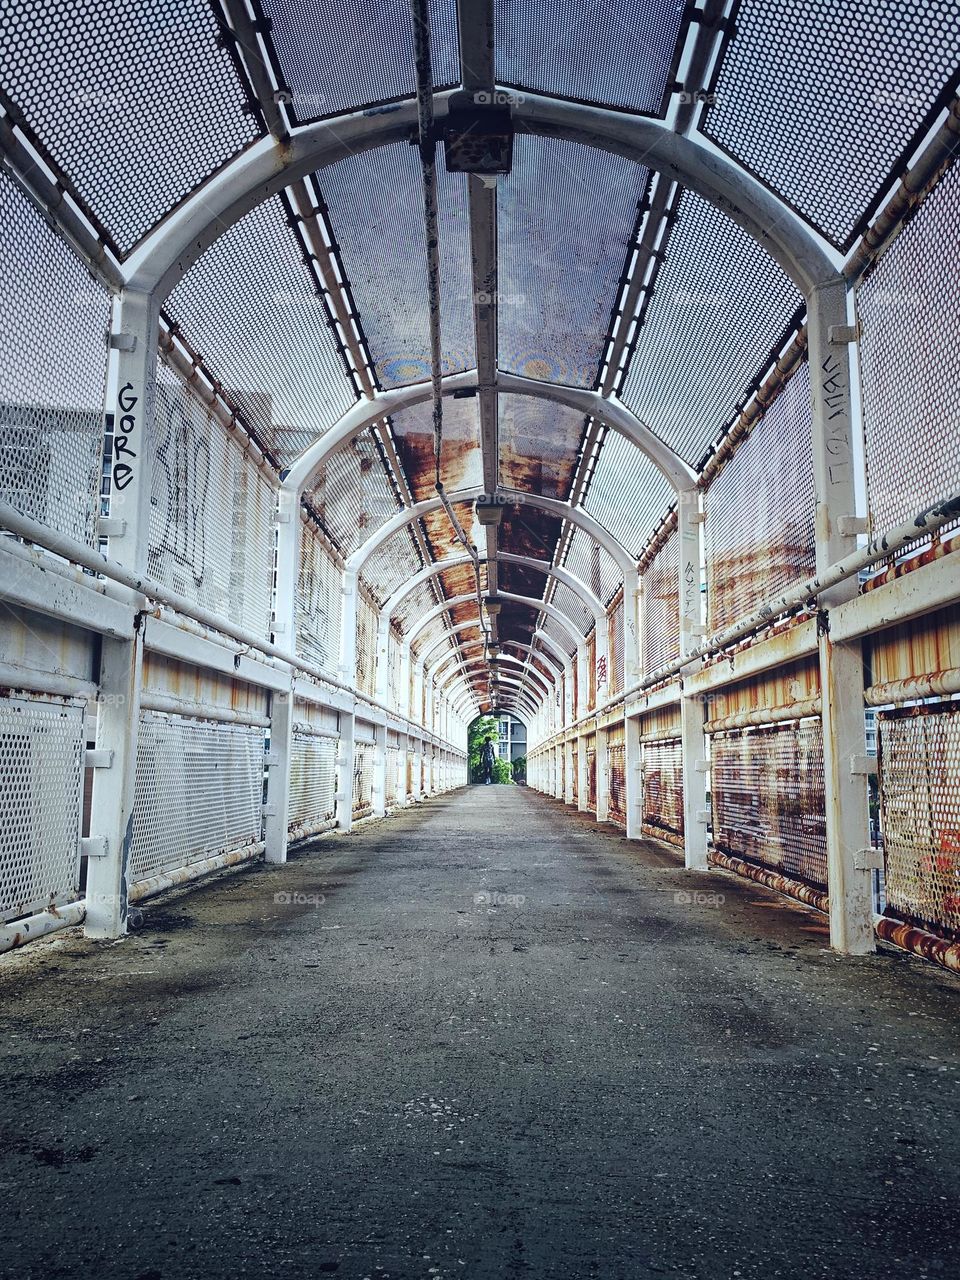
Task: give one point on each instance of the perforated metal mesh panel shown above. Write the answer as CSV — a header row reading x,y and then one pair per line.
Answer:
x,y
133,98
211,511
570,603
574,775
391,565
593,565
376,208
565,217
627,493
768,798
53,319
538,443
352,494
366,646
617,774
820,100
661,770
341,54
592,775
560,635
362,780
920,813
318,602
719,305
660,607
199,792
615,644
249,305
910,378
313,785
759,527
394,758
420,601
41,783
622,60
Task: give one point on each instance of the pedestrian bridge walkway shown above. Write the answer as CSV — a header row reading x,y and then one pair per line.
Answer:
x,y
483,1038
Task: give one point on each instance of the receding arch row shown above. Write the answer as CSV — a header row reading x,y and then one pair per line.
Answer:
x,y
477,665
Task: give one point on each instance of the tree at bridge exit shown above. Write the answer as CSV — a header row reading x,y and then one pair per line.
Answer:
x,y
483,730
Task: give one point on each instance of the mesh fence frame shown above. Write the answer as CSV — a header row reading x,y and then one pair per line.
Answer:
x,y
313,785
660,608
41,788
759,529
768,798
53,321
352,493
626,492
363,779
367,618
211,511
919,792
199,792
137,100
615,644
393,776
849,85
911,388
661,771
318,602
592,775
617,775
720,306
249,304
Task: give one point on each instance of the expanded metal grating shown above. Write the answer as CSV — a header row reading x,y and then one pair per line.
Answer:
x,y
759,528
820,100
135,99
720,305
313,785
376,208
561,48
919,773
768,798
362,779
318,602
41,784
394,770
199,792
53,318
661,771
660,607
352,493
250,307
337,55
627,493
211,511
561,255
908,348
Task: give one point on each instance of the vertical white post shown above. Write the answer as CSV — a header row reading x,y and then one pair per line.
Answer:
x,y
379,800
603,776
631,631
345,766
581,755
348,627
282,704
133,342
841,665
583,680
693,739
633,777
382,686
601,656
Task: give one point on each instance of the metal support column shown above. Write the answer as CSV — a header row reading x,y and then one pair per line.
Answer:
x,y
693,745
345,765
633,777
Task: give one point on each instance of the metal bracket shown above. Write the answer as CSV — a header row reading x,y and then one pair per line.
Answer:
x,y
94,846
868,860
271,758
850,525
269,810
840,334
111,527
863,766
703,817
701,766
122,342
98,758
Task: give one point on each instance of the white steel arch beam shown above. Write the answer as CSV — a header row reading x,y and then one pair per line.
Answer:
x,y
548,659
479,662
540,606
263,169
456,678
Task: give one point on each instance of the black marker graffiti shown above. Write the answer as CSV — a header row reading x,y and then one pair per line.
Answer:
x,y
126,425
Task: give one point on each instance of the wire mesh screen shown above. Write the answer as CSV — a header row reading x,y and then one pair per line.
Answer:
x,y
661,771
366,646
592,775
919,773
720,304
311,37
53,318
362,780
41,784
376,205
137,100
319,587
199,792
593,565
911,388
561,258
313,766
591,671
615,644
562,49
660,608
848,85
575,775
759,512
617,776
250,306
394,760
768,798
627,493
352,493
392,564
573,605
211,511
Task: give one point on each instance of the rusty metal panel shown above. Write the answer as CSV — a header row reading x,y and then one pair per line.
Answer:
x,y
922,647
413,606
527,531
768,798
660,607
352,494
362,779
662,789
591,752
617,775
790,683
521,580
165,675
460,456
919,790
759,535
539,441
